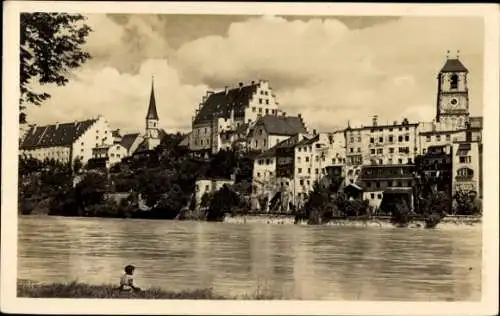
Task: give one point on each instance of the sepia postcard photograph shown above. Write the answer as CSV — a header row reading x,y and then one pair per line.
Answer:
x,y
250,158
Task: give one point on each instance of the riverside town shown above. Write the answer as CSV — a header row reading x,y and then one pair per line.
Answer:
x,y
250,157
246,159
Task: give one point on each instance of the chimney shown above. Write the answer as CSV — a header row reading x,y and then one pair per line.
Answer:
x,y
283,113
375,120
57,125
253,82
315,132
299,115
240,84
226,89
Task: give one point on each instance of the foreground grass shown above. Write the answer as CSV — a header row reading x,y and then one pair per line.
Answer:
x,y
81,290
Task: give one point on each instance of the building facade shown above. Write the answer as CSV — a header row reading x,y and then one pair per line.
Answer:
x,y
207,186
67,142
467,166
270,130
228,110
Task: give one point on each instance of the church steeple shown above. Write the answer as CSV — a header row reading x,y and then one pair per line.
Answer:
x,y
152,113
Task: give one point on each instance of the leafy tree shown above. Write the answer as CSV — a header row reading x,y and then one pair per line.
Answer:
x,y
90,190
51,44
222,202
465,203
401,214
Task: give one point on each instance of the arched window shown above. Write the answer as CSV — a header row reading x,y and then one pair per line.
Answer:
x,y
454,81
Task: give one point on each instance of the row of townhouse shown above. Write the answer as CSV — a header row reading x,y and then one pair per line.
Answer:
x,y
379,159
91,141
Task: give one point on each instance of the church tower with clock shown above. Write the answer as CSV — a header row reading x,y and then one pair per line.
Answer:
x,y
453,95
152,137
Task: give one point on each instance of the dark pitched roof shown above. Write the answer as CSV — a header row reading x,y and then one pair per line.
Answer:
x,y
287,143
220,104
453,65
308,141
128,140
152,113
282,125
55,135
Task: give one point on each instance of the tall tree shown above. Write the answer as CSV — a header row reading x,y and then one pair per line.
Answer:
x,y
51,44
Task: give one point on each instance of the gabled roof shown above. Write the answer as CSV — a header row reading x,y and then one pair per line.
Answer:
x,y
152,113
453,65
308,141
116,133
55,135
220,104
287,143
128,140
282,125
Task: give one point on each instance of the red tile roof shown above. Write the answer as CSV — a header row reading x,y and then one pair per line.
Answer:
x,y
55,135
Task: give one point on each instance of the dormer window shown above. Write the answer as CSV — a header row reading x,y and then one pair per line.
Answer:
x,y
454,81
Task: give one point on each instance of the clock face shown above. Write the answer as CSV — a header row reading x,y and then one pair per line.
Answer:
x,y
153,133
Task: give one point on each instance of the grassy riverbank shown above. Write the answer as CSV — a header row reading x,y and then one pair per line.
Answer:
x,y
75,289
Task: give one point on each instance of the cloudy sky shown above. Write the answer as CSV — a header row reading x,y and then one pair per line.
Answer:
x,y
330,69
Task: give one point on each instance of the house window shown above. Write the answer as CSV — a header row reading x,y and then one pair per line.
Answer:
x,y
254,109
301,182
391,138
316,158
81,144
407,138
260,110
400,161
389,161
300,149
391,150
308,182
380,151
372,196
255,143
258,174
359,149
309,170
267,111
448,137
333,160
352,139
307,159
299,170
379,196
267,101
380,139
400,138
380,162
390,129
428,139
260,101
316,171
351,150
359,139
372,151
465,172
372,140
268,161
298,159
438,138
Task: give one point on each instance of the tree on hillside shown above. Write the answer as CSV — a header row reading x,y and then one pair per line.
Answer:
x,y
51,44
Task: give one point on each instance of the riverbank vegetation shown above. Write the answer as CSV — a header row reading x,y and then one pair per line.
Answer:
x,y
161,183
81,290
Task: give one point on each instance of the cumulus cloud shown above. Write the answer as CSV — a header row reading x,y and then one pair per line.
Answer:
x,y
320,67
123,98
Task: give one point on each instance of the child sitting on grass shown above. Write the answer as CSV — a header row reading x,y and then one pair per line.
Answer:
x,y
127,280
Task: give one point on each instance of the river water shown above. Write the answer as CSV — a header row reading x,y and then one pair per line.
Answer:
x,y
287,261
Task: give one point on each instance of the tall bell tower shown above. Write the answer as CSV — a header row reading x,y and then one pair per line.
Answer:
x,y
152,136
453,95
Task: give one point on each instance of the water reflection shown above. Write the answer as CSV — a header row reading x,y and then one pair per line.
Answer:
x,y
293,262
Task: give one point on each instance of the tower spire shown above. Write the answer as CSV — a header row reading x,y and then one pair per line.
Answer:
x,y
152,112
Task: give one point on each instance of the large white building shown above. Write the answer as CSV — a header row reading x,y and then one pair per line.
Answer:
x,y
66,142
224,117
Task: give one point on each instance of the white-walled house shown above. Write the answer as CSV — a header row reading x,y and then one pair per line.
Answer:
x,y
467,166
270,130
65,142
229,110
209,185
113,153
